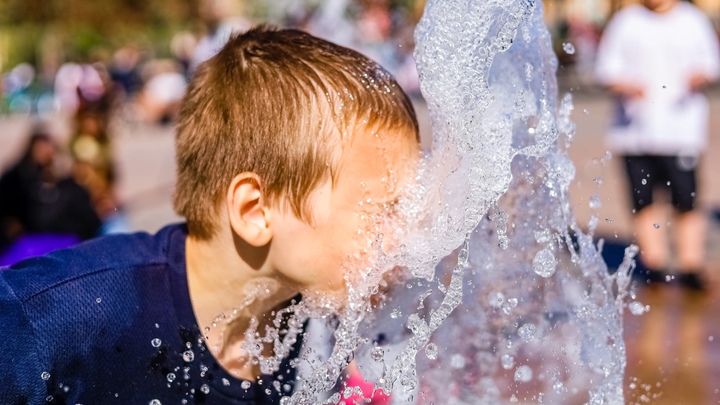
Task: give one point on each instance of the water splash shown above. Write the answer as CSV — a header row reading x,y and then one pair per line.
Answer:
x,y
502,287
503,121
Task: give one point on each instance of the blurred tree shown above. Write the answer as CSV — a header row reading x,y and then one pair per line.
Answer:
x,y
84,25
78,28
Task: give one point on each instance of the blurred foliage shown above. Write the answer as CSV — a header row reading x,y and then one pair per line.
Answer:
x,y
52,31
82,29
103,15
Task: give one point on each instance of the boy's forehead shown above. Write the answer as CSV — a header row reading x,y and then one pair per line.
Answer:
x,y
377,161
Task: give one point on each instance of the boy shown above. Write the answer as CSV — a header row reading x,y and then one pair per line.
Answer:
x,y
289,148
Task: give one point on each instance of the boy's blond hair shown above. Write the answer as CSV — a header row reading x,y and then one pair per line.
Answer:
x,y
277,103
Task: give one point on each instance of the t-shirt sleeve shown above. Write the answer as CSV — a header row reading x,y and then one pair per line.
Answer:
x,y
709,53
20,371
610,63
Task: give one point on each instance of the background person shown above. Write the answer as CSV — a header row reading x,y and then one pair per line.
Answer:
x,y
657,58
40,209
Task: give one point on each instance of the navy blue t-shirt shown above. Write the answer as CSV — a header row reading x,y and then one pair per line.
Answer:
x,y
110,322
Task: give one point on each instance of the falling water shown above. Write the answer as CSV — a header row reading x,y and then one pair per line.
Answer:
x,y
506,299
535,314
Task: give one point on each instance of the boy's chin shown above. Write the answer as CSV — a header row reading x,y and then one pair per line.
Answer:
x,y
335,301
324,303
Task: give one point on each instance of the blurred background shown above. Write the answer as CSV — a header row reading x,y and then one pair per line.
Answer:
x,y
90,90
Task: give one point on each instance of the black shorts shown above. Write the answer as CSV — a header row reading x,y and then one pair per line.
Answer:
x,y
649,172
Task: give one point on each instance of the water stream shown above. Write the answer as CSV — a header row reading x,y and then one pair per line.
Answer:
x,y
506,298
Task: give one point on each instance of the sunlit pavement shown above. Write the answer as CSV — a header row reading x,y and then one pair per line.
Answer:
x,y
673,350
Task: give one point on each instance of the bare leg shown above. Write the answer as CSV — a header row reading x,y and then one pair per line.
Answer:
x,y
690,228
651,240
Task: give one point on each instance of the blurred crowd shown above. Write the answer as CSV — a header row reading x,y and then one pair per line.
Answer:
x,y
146,87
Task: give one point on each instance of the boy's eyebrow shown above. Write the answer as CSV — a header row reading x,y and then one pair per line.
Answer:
x,y
393,201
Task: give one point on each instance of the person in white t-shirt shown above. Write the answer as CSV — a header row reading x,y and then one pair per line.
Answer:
x,y
657,58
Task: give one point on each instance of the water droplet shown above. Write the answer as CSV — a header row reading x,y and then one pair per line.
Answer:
x,y
495,299
528,72
527,332
431,351
568,48
188,356
377,245
643,181
45,375
656,226
558,386
285,401
226,382
156,342
171,377
595,202
457,361
377,353
711,338
395,314
205,389
155,402
544,263
98,300
523,374
507,361
245,385
157,326
636,308
49,398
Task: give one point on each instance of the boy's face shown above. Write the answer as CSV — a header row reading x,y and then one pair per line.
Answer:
x,y
347,216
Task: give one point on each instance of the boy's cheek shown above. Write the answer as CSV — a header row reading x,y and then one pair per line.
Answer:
x,y
320,201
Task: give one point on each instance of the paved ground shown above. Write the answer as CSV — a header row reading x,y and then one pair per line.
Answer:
x,y
673,351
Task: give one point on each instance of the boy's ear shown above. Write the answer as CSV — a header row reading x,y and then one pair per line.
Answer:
x,y
249,215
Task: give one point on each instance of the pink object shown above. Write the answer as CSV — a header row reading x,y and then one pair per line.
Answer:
x,y
376,397
32,245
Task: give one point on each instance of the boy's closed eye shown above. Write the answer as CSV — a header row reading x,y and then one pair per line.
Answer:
x,y
392,207
387,208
